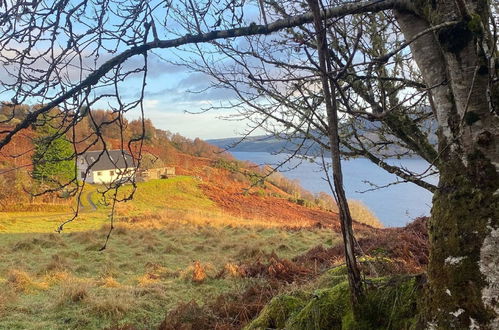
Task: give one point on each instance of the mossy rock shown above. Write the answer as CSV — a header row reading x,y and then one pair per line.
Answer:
x,y
390,303
277,312
324,311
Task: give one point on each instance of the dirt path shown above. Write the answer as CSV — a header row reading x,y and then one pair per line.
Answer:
x,y
90,202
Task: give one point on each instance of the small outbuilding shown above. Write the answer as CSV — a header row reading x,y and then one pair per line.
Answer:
x,y
157,173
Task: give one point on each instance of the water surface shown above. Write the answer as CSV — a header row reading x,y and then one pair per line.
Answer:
x,y
395,205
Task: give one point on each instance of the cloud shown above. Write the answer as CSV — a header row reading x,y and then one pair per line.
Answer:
x,y
204,125
196,87
208,95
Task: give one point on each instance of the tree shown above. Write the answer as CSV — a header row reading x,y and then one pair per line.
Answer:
x,y
453,45
53,162
329,95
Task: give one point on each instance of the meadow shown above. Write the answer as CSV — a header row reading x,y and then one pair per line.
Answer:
x,y
170,245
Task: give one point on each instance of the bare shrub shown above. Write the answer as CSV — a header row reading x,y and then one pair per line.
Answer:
x,y
231,270
198,272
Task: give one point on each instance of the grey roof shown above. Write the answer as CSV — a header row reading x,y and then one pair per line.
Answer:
x,y
108,160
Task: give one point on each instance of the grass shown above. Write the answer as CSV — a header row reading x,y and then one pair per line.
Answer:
x,y
63,281
361,213
159,255
173,196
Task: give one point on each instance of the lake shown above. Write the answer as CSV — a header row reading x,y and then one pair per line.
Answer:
x,y
395,205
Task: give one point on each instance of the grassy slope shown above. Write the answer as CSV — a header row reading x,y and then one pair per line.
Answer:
x,y
54,281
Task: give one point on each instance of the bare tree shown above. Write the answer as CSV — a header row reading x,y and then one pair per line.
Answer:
x,y
74,54
329,91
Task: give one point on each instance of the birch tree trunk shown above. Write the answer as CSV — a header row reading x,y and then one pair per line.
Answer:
x,y
463,273
354,278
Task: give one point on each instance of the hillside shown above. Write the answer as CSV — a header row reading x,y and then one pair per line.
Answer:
x,y
176,258
260,143
284,144
208,248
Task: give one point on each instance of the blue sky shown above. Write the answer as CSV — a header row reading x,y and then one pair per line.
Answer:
x,y
170,91
173,100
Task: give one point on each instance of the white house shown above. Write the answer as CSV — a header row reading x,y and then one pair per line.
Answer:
x,y
105,166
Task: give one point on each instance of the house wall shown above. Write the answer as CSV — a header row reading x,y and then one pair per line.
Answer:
x,y
170,171
156,173
108,176
82,166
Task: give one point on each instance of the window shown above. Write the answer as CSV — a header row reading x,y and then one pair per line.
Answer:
x,y
111,173
99,173
82,174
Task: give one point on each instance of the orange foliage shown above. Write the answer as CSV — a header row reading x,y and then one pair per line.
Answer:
x,y
198,273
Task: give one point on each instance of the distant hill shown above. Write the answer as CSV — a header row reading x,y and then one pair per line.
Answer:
x,y
262,143
273,144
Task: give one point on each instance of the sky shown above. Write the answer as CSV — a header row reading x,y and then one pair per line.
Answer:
x,y
175,100
170,99
176,96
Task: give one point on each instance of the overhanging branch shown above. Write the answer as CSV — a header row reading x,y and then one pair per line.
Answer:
x,y
252,29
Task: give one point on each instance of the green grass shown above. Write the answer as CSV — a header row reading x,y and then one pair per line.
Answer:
x,y
62,281
151,270
179,193
176,193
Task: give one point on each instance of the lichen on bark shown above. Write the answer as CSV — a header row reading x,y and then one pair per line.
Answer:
x,y
462,213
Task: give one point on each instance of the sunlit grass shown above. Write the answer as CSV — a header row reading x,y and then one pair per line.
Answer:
x,y
361,213
168,245
62,281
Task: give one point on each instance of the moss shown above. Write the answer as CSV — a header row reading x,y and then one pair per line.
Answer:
x,y
331,277
389,303
461,209
324,311
275,314
454,38
475,24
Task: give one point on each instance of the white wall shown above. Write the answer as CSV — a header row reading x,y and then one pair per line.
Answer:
x,y
102,176
108,176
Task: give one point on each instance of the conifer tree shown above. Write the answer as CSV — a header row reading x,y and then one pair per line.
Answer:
x,y
52,159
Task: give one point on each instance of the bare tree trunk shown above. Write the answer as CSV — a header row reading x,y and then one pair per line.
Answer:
x,y
464,231
354,278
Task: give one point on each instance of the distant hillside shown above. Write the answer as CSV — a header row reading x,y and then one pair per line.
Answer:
x,y
262,143
273,144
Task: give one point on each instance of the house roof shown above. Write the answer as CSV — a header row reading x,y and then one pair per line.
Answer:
x,y
109,160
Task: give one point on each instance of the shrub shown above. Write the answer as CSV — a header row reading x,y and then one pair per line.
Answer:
x,y
388,304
